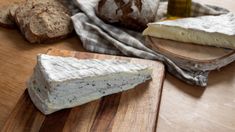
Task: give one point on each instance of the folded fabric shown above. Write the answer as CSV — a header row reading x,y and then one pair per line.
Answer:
x,y
97,36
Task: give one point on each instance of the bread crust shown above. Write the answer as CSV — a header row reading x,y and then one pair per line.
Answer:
x,y
132,14
12,11
5,20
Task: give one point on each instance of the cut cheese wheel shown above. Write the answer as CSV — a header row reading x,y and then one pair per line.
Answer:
x,y
216,31
64,82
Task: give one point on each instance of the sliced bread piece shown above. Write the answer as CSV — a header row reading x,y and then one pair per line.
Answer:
x,y
43,21
36,9
216,31
21,15
5,21
48,25
12,11
60,4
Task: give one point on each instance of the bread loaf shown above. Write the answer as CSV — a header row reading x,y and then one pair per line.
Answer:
x,y
43,20
133,14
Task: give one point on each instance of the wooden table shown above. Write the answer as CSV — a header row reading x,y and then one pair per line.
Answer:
x,y
183,107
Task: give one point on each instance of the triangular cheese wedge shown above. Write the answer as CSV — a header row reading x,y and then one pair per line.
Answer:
x,y
65,82
216,31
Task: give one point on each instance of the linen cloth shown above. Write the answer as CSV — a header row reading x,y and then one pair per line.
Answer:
x,y
98,36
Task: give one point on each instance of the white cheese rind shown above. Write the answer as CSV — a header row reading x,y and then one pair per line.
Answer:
x,y
60,82
216,31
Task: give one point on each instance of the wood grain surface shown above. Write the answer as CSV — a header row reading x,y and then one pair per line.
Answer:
x,y
134,110
192,52
186,108
192,56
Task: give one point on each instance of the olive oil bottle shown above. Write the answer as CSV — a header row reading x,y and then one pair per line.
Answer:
x,y
179,8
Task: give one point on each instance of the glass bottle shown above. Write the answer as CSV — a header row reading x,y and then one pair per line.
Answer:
x,y
179,8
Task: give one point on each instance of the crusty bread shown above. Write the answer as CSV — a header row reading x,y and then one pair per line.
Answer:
x,y
133,14
43,20
48,25
24,12
5,21
12,11
60,4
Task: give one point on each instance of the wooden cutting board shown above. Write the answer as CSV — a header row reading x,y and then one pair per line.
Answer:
x,y
134,110
192,56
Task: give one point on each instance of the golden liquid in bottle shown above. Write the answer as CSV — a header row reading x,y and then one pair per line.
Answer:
x,y
179,8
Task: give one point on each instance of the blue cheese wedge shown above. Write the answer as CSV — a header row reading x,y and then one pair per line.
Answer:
x,y
216,31
64,82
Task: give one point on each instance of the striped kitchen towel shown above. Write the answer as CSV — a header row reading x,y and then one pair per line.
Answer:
x,y
98,36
